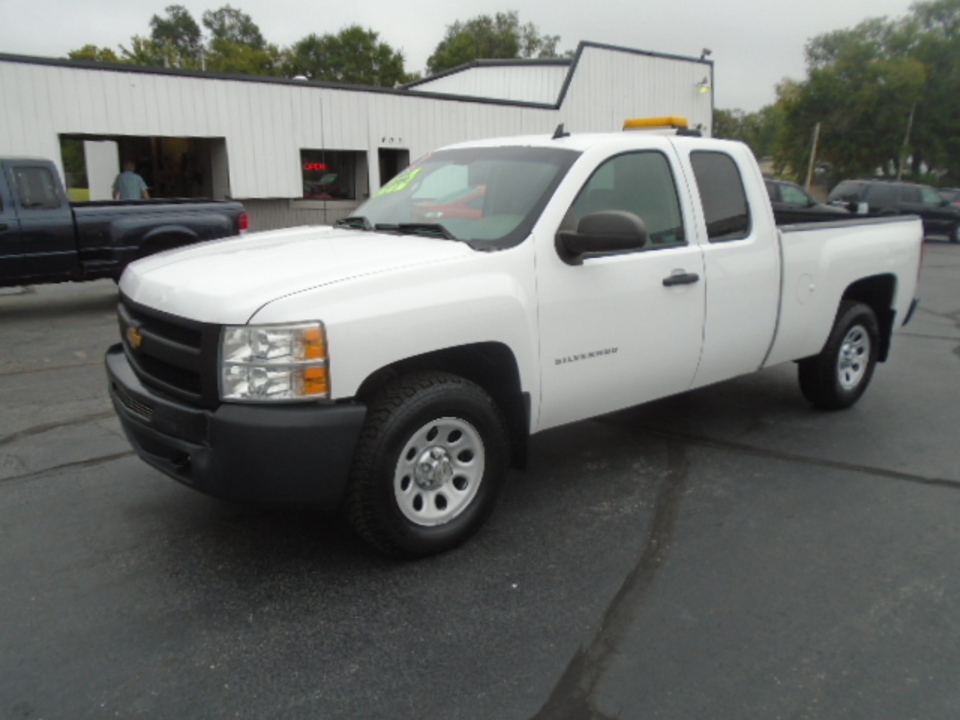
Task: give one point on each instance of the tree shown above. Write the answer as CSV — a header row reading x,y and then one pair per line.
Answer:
x,y
353,55
177,37
230,57
92,52
230,25
760,130
237,46
886,94
486,37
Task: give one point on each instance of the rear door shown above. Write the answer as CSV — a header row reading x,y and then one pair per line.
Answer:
x,y
47,235
11,254
742,263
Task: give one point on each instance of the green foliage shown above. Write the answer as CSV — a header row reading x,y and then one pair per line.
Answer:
x,y
178,37
225,56
760,130
486,37
92,52
354,55
886,94
230,25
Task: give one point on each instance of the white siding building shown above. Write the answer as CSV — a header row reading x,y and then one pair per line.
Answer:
x,y
298,152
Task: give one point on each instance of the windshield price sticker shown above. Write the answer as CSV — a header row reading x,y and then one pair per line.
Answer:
x,y
399,183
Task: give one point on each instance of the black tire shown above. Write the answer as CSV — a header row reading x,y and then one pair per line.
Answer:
x,y
837,377
955,233
429,465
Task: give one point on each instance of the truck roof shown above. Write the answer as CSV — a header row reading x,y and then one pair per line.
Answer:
x,y
585,141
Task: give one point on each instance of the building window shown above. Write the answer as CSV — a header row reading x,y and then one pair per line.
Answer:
x,y
330,174
724,199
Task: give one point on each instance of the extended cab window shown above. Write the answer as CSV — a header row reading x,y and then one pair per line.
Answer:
x,y
641,183
36,188
724,199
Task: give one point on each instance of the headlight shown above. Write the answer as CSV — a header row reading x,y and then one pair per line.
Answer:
x,y
274,362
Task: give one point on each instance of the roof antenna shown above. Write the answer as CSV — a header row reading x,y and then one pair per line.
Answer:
x,y
560,133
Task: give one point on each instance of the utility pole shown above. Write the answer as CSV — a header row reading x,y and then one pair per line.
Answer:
x,y
906,142
813,157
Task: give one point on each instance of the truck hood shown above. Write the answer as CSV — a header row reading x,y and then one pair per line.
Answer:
x,y
227,281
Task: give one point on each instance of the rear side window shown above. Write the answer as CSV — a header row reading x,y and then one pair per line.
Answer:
x,y
910,194
794,195
882,194
724,200
847,192
930,196
36,188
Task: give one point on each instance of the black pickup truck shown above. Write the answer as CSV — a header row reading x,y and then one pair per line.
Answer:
x,y
44,238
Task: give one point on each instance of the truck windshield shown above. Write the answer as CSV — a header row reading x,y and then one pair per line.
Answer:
x,y
489,197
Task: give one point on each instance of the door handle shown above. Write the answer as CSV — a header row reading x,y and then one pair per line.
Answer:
x,y
680,278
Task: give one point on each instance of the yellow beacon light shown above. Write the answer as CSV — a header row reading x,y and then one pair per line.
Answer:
x,y
676,122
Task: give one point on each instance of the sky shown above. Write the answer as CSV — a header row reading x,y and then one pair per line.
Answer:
x,y
754,43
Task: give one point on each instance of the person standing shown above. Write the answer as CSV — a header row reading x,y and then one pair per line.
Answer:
x,y
129,185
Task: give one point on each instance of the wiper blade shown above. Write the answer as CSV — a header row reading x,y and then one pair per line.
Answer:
x,y
355,222
435,229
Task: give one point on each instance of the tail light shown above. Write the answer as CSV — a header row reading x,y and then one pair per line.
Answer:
x,y
244,223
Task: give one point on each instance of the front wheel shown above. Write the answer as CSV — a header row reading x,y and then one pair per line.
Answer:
x,y
429,465
837,377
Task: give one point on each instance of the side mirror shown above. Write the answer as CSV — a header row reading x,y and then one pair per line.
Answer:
x,y
611,232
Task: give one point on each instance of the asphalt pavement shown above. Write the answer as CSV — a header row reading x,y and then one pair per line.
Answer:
x,y
728,553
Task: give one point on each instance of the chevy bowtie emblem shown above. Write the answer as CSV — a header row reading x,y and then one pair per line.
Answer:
x,y
134,337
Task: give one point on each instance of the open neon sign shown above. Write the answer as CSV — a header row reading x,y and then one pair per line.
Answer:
x,y
315,167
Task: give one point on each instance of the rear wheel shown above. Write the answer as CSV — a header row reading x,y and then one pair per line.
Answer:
x,y
837,377
429,465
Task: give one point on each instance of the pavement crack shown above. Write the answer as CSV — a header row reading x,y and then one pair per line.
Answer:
x,y
573,695
803,459
41,429
50,368
78,464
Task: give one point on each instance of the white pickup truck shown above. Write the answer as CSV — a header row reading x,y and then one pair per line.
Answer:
x,y
394,366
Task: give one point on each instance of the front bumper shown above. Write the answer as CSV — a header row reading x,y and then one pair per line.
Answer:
x,y
279,454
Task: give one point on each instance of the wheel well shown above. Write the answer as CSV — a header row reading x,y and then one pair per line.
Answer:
x,y
152,244
877,292
490,365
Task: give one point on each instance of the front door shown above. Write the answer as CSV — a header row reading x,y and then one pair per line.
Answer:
x,y
48,236
613,333
11,253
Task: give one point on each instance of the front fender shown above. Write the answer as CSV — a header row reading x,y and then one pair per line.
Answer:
x,y
379,320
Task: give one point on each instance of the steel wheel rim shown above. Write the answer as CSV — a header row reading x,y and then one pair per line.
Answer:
x,y
439,471
854,357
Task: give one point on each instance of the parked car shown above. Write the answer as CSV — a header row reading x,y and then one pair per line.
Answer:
x,y
892,197
952,195
45,238
394,369
792,204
